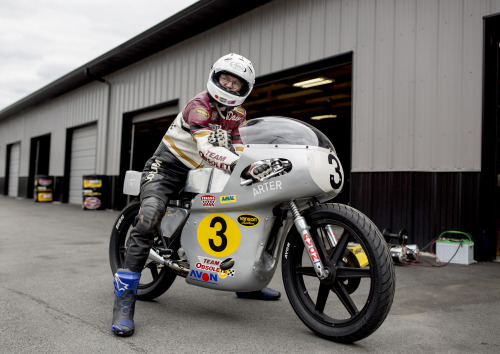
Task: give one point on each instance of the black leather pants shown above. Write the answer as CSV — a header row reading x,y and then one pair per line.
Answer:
x,y
163,177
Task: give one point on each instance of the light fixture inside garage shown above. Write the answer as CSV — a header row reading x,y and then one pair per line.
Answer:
x,y
313,82
326,116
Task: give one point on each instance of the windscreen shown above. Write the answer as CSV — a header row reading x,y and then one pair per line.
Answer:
x,y
282,131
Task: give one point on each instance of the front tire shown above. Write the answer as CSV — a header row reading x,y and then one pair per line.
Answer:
x,y
355,299
155,278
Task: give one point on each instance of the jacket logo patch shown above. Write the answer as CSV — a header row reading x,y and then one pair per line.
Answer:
x,y
239,110
202,112
233,116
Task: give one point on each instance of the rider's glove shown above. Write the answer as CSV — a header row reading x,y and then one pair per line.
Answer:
x,y
220,137
258,170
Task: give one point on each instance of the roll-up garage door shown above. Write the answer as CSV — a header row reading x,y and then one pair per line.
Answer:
x,y
14,158
83,160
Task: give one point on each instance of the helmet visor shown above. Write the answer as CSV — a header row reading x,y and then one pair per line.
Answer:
x,y
218,81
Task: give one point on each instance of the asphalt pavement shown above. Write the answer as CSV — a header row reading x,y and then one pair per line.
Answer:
x,y
56,296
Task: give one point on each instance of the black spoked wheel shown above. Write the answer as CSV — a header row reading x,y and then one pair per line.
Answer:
x,y
155,278
354,300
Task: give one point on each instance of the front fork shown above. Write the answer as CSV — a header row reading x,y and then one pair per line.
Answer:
x,y
303,229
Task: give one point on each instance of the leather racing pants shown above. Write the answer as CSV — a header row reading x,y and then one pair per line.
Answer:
x,y
163,176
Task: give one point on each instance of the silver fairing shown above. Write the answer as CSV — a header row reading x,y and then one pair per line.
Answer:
x,y
236,221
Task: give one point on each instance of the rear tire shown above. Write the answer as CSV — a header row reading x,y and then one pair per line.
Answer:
x,y
354,301
155,278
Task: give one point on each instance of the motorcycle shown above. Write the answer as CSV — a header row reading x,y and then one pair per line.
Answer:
x,y
227,232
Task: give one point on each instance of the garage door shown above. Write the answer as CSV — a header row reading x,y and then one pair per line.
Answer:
x,y
83,159
15,155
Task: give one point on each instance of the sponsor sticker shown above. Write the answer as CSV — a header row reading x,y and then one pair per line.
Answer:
x,y
92,183
203,277
238,66
208,264
228,199
45,197
208,200
202,112
92,203
226,273
248,220
45,182
212,265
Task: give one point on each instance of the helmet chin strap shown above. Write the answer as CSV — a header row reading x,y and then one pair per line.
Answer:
x,y
219,109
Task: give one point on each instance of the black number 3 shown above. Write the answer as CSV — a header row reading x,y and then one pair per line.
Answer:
x,y
220,233
332,160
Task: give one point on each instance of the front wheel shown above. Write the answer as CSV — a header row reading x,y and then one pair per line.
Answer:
x,y
155,278
354,300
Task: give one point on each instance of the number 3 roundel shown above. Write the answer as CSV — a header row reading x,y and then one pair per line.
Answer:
x,y
218,235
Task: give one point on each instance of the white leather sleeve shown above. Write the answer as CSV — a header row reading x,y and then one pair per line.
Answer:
x,y
217,156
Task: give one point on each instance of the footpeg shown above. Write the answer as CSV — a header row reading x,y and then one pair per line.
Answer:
x,y
164,251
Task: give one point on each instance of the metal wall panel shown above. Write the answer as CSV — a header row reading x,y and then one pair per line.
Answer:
x,y
76,108
425,204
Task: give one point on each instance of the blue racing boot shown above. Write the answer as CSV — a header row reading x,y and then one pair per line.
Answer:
x,y
126,283
264,294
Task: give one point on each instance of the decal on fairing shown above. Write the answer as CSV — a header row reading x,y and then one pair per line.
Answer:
x,y
203,277
266,187
248,220
218,235
228,199
208,264
208,200
226,273
212,265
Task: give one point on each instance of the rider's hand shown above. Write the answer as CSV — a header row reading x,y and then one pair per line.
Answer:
x,y
258,170
220,137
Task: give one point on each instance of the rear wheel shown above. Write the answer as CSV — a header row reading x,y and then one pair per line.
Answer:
x,y
354,300
155,278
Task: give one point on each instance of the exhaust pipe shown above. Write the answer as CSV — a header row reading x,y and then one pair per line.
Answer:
x,y
168,262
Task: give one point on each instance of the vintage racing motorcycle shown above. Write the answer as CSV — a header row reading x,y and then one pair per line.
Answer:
x,y
225,232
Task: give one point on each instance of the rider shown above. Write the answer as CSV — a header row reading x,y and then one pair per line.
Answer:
x,y
205,132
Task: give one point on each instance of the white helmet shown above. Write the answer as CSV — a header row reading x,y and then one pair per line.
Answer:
x,y
237,66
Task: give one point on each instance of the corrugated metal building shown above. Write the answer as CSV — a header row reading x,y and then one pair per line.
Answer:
x,y
414,91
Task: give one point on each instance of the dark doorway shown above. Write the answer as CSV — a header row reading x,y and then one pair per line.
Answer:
x,y
142,132
490,162
39,160
146,137
319,93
